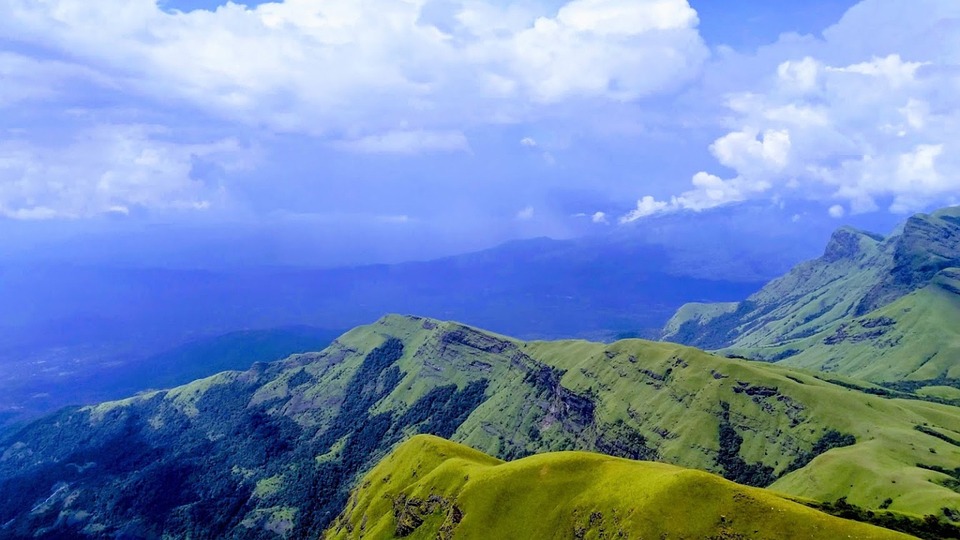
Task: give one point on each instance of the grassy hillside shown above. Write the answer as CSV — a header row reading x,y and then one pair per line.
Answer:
x,y
915,339
274,450
882,309
432,488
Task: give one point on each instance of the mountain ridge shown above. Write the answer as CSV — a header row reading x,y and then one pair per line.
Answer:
x,y
862,280
430,487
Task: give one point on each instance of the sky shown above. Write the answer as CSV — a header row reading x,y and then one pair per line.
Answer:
x,y
339,132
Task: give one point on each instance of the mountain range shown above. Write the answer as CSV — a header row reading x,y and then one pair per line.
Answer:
x,y
73,334
831,391
274,450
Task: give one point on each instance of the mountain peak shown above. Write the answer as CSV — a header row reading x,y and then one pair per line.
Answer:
x,y
849,243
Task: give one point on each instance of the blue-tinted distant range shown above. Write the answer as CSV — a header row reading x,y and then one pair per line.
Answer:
x,y
183,170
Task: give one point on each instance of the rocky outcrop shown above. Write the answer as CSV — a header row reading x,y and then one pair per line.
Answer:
x,y
848,243
927,245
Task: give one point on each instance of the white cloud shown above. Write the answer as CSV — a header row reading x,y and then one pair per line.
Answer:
x,y
799,76
375,66
108,169
619,17
745,152
526,213
599,217
407,142
709,191
867,118
528,142
647,206
617,49
836,211
892,69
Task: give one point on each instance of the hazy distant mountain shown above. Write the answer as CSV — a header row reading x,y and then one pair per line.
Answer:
x,y
67,331
597,286
273,451
43,380
886,309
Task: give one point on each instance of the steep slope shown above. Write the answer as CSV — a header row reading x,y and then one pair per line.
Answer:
x,y
272,451
870,307
432,488
911,343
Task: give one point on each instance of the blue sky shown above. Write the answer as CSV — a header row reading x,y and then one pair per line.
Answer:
x,y
387,130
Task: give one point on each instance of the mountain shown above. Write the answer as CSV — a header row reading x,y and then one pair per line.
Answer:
x,y
432,488
38,383
273,451
884,309
539,288
66,330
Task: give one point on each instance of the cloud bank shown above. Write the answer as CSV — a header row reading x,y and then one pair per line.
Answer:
x,y
867,118
400,77
109,169
106,107
379,65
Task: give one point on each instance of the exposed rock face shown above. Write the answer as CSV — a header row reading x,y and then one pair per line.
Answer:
x,y
848,243
477,340
573,411
927,245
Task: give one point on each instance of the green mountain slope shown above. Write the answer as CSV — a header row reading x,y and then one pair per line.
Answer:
x,y
272,452
916,338
432,488
882,309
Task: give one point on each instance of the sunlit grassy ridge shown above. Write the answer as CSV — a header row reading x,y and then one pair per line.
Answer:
x,y
881,309
432,488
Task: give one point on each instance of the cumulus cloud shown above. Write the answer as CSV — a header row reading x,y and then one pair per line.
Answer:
x,y
618,49
862,120
108,169
599,217
709,191
371,67
378,76
526,213
647,206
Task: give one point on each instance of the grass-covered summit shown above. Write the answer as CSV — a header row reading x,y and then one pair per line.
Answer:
x,y
885,309
272,452
432,488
